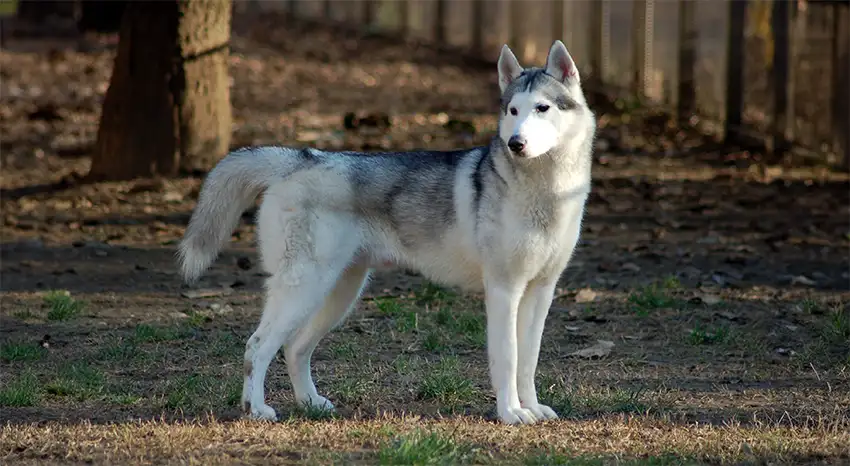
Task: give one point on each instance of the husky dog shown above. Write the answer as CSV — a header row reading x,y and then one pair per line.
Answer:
x,y
503,219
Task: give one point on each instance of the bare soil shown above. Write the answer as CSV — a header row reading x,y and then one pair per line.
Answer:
x,y
722,282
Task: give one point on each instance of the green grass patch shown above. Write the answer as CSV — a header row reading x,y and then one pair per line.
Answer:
x,y
432,294
78,380
145,333
24,314
434,342
571,402
61,306
21,391
446,384
18,352
200,391
350,390
468,327
390,307
657,295
838,327
700,335
420,448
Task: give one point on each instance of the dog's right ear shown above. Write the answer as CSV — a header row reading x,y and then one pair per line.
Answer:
x,y
509,68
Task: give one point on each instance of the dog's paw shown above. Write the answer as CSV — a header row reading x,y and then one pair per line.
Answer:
x,y
262,412
541,412
517,416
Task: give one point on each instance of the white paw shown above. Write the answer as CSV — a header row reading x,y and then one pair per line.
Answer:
x,y
317,402
517,416
541,412
262,412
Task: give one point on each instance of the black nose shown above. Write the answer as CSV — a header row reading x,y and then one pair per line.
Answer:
x,y
516,143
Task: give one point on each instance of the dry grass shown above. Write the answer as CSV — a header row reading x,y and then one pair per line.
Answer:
x,y
619,437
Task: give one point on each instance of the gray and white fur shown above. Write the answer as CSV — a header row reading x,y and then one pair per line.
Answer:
x,y
503,219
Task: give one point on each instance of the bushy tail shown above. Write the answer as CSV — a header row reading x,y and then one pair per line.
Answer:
x,y
228,190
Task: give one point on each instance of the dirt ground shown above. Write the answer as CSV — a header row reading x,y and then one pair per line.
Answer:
x,y
720,283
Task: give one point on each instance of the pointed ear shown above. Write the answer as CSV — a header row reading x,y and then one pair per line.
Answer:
x,y
509,68
560,64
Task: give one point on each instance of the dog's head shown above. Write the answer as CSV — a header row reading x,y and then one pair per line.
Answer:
x,y
541,107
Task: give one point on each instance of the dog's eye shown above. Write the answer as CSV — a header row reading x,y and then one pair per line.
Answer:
x,y
513,111
542,108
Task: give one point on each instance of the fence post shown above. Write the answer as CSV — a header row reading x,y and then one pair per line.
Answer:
x,y
642,39
686,63
558,29
735,71
518,37
404,18
368,12
783,83
840,77
440,22
600,40
477,27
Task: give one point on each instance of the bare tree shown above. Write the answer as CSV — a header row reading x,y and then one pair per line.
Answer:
x,y
167,108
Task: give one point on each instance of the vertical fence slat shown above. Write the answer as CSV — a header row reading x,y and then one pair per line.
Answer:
x,y
518,36
781,75
686,62
440,19
600,41
735,70
643,12
404,17
840,78
369,8
558,26
477,28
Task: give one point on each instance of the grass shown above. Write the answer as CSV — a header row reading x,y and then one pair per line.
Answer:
x,y
20,352
420,448
446,384
79,381
554,458
145,333
708,336
394,392
579,402
23,390
61,306
657,295
199,392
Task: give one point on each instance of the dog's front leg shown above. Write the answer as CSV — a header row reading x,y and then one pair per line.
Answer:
x,y
502,301
533,310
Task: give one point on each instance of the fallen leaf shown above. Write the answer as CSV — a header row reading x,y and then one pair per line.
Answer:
x,y
206,293
585,295
710,299
630,267
802,280
601,349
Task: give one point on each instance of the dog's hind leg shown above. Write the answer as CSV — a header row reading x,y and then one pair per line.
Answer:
x,y
294,294
299,349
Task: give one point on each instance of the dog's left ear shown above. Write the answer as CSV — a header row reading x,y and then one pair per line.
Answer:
x,y
560,64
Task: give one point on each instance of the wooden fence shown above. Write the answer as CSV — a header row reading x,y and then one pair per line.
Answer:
x,y
774,72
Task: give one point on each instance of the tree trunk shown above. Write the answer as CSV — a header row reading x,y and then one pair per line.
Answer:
x,y
167,108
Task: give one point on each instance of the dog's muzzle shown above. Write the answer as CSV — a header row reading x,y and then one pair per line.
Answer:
x,y
516,144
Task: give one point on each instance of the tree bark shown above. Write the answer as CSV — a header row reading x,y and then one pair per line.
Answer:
x,y
167,108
